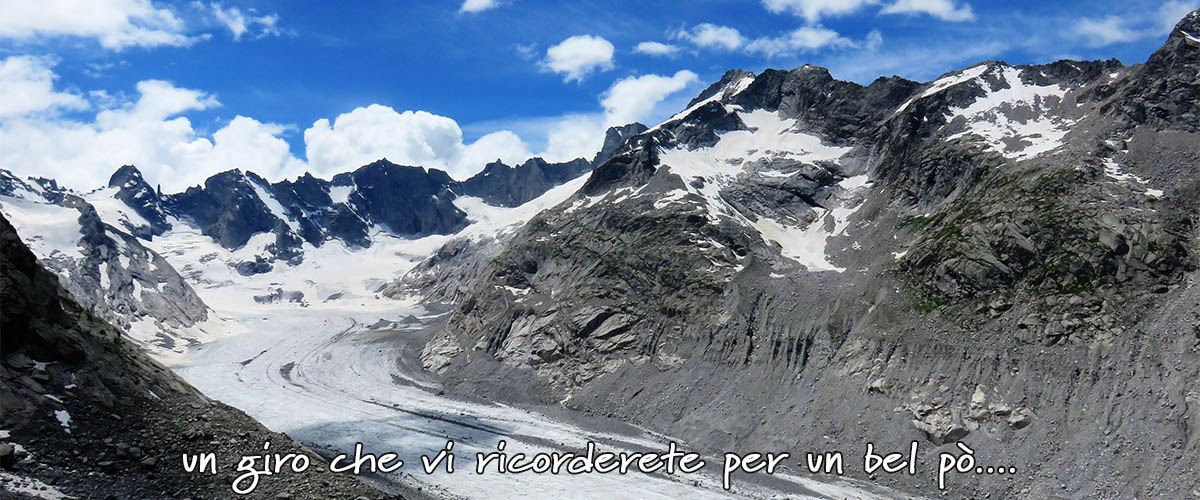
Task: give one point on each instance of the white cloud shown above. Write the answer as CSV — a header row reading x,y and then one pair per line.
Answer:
x,y
945,10
414,138
633,98
154,132
239,23
712,36
874,40
814,10
1100,32
149,133
27,86
527,52
115,24
1106,31
574,136
473,6
1169,13
158,100
504,145
368,134
656,49
577,57
805,39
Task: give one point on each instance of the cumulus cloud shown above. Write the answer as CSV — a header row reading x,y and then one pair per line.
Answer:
x,y
945,10
574,136
656,49
419,138
709,35
367,134
115,24
153,131
239,23
27,86
813,10
150,133
577,57
504,145
473,6
631,99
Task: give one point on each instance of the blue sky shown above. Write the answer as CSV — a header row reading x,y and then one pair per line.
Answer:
x,y
187,89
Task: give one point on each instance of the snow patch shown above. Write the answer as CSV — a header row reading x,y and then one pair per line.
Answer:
x,y
104,282
944,83
49,230
63,418
29,487
114,211
1113,170
854,183
340,194
770,137
989,117
806,245
274,206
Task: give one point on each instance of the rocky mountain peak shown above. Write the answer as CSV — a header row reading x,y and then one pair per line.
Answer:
x,y
134,191
614,138
730,77
126,174
502,185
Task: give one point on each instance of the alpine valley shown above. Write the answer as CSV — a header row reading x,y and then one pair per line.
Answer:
x,y
1004,257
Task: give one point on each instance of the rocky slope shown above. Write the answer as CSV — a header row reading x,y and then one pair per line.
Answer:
x,y
86,415
1003,256
109,271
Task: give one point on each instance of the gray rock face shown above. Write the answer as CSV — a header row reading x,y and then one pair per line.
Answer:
x,y
117,278
1003,256
137,194
614,138
504,186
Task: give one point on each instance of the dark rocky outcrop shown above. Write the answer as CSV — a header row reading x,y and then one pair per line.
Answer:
x,y
501,185
146,201
614,137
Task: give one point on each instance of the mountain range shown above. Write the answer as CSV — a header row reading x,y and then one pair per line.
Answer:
x,y
1004,256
